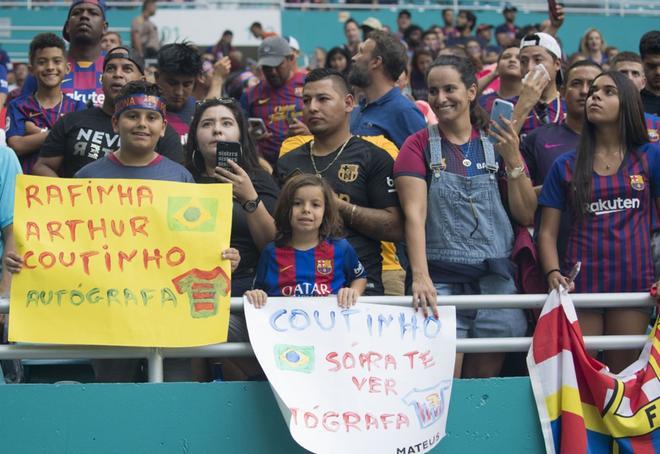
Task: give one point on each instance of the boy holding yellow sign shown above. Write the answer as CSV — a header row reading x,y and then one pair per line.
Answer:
x,y
139,121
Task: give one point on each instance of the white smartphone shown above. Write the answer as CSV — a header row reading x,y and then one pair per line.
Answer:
x,y
500,108
539,69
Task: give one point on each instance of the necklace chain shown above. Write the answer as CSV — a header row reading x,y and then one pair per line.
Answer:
x,y
59,111
311,156
557,111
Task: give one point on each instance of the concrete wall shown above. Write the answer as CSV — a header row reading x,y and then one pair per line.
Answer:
x,y
496,415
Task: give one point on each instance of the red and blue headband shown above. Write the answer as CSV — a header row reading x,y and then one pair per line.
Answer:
x,y
139,101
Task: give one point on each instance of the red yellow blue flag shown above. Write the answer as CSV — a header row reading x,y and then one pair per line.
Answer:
x,y
583,408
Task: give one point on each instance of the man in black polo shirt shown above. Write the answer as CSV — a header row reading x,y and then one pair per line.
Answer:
x,y
83,137
359,171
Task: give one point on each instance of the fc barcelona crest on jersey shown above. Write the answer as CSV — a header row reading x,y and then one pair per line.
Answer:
x,y
653,135
324,266
348,173
637,182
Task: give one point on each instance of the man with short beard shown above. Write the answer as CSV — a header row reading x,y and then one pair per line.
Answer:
x,y
83,29
277,99
358,170
384,110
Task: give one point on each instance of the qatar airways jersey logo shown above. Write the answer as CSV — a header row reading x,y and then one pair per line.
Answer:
x,y
600,206
306,289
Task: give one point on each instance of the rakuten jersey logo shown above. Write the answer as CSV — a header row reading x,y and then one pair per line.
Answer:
x,y
96,98
601,206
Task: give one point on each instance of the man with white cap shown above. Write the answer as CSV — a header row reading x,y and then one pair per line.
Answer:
x,y
277,99
539,102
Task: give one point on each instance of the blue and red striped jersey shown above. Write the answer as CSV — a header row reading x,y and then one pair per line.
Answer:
x,y
27,108
652,126
613,239
543,114
320,271
83,83
275,106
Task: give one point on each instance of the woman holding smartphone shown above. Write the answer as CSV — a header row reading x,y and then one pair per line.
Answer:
x,y
221,121
611,185
458,230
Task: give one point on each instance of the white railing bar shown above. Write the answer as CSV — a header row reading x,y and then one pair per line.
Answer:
x,y
535,301
155,356
244,349
14,351
568,10
637,8
155,366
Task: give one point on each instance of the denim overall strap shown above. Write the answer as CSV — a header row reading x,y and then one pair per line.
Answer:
x,y
435,147
489,151
466,221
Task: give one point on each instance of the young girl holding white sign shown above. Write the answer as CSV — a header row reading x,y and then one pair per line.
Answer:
x,y
307,258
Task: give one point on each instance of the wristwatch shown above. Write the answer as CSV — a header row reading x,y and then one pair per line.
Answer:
x,y
516,172
251,205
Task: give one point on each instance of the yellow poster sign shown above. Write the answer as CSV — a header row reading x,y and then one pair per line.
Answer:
x,y
121,262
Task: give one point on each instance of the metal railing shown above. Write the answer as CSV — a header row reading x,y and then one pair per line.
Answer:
x,y
155,356
607,7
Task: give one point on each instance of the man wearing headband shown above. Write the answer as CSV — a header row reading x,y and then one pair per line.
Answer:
x,y
139,119
539,102
81,138
83,29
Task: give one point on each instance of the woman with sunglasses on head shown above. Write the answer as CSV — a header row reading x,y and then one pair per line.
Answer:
x,y
255,196
611,185
458,231
255,192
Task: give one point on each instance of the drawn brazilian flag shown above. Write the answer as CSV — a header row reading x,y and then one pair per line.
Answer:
x,y
296,358
188,214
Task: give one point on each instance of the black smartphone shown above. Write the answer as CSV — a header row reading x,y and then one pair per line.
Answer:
x,y
257,126
552,8
227,150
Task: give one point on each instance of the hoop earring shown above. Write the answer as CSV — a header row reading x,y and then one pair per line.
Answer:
x,y
194,159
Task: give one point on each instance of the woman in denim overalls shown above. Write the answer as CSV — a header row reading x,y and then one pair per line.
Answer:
x,y
458,232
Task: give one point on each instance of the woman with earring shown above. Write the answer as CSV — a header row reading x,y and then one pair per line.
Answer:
x,y
255,192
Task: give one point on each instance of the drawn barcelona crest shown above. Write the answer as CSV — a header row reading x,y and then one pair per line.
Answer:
x,y
637,182
324,266
348,173
653,135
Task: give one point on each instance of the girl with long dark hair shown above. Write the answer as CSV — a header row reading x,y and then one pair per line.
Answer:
x,y
610,186
255,192
458,231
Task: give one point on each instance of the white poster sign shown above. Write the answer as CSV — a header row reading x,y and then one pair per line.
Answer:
x,y
372,378
205,26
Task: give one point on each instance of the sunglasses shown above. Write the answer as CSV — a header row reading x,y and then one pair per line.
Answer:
x,y
215,101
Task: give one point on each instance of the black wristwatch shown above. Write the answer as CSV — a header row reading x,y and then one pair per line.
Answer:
x,y
251,205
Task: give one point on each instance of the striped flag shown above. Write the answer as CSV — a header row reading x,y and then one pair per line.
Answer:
x,y
583,407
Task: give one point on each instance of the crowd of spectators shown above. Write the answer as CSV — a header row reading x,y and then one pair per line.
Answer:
x,y
379,156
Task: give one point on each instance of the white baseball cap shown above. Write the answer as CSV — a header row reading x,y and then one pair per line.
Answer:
x,y
544,40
